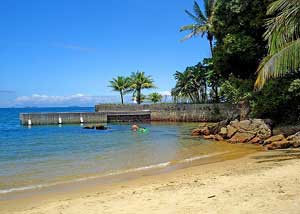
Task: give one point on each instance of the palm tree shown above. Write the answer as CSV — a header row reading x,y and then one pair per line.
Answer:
x,y
203,22
139,81
283,36
155,97
191,84
120,84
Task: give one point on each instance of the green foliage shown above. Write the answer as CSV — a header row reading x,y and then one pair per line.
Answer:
x,y
283,36
238,29
155,97
120,84
202,22
139,81
278,100
235,90
194,83
295,87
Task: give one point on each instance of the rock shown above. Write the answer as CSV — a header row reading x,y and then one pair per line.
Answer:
x,y
89,127
209,137
205,131
242,137
274,139
244,124
196,132
218,137
256,140
261,128
294,140
230,131
286,130
223,132
101,127
283,144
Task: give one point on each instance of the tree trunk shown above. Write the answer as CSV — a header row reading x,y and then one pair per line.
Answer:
x,y
138,96
211,46
122,100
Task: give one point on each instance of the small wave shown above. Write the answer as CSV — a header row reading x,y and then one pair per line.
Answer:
x,y
114,173
39,186
201,157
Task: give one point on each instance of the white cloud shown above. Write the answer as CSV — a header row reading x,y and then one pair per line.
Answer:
x,y
72,100
165,93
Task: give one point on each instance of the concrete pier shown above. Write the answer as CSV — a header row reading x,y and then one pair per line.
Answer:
x,y
83,117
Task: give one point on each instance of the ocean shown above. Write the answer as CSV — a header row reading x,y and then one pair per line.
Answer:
x,y
42,156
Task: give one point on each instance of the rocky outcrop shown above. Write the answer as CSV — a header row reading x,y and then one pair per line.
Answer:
x,y
294,140
254,131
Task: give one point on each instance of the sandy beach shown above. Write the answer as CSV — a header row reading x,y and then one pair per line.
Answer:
x,y
263,182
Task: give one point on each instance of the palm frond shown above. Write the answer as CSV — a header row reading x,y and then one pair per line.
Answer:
x,y
285,61
198,12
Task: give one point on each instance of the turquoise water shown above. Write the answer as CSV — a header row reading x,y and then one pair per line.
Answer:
x,y
41,156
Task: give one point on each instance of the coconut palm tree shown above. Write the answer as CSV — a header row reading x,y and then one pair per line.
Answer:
x,y
120,84
155,97
203,22
191,84
283,36
139,81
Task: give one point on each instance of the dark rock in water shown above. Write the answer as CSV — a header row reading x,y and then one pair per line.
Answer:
x,y
197,132
101,127
89,127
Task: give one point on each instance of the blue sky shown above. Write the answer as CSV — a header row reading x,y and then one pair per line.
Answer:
x,y
63,49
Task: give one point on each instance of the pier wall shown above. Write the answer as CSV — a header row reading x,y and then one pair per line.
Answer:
x,y
84,117
178,112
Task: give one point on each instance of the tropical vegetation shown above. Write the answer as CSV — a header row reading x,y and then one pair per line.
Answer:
x,y
120,84
134,83
202,22
155,97
252,42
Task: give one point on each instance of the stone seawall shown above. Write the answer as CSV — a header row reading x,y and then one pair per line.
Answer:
x,y
83,117
178,112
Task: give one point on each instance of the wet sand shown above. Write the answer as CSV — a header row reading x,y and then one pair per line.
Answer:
x,y
263,182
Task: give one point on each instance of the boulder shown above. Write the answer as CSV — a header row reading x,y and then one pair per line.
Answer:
x,y
230,131
294,140
196,132
256,140
263,131
244,124
89,127
218,137
283,144
209,137
274,139
205,131
258,126
242,137
101,127
223,132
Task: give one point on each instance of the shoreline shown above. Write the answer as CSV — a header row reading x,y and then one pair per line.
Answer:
x,y
201,188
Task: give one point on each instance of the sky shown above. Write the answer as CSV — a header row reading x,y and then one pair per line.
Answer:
x,y
64,52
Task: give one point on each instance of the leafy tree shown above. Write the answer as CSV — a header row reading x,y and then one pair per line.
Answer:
x,y
120,84
203,22
238,29
155,97
139,81
283,36
191,84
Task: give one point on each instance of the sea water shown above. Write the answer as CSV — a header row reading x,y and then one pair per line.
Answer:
x,y
40,156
